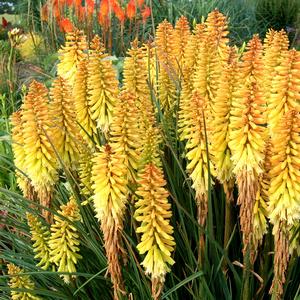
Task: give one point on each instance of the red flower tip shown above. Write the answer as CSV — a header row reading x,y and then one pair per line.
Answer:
x,y
119,12
4,22
66,25
69,3
131,9
140,3
104,8
146,13
90,4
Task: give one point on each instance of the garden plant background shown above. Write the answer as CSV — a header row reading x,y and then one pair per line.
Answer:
x,y
150,149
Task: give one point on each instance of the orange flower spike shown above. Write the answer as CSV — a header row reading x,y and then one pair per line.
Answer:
x,y
69,3
140,3
66,25
103,12
119,12
146,13
77,3
131,9
90,5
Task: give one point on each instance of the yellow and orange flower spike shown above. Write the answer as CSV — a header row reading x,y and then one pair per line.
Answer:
x,y
102,85
220,121
275,44
19,154
181,36
64,239
217,32
153,211
285,90
125,133
135,72
193,46
40,159
192,129
248,133
65,128
167,65
85,173
71,54
211,58
284,174
20,281
110,196
40,235
84,112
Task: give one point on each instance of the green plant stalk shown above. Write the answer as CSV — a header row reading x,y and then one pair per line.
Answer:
x,y
228,221
246,292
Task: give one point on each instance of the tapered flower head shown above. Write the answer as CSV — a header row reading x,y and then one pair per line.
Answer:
x,y
19,152
109,176
285,88
64,240
40,160
102,85
71,54
125,132
248,134
65,128
19,281
153,212
284,175
40,235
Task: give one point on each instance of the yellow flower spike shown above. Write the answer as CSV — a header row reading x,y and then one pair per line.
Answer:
x,y
285,88
284,189
19,154
153,211
247,134
19,281
217,31
182,34
65,129
39,236
167,65
150,140
85,173
84,112
193,46
71,54
102,85
220,120
110,197
125,133
275,44
135,72
191,124
260,210
64,239
211,58
40,159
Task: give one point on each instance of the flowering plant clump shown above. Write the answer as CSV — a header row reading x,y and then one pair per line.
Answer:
x,y
136,173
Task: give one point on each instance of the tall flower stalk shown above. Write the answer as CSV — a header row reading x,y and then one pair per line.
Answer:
x,y
109,176
40,159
